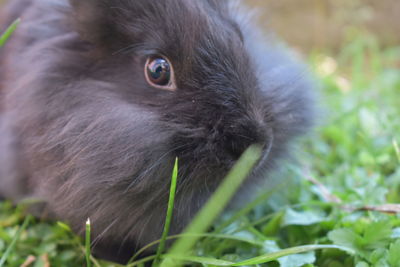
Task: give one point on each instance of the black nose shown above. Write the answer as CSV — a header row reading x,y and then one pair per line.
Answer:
x,y
239,136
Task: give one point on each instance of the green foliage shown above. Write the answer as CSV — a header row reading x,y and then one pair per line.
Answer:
x,y
13,242
326,210
44,240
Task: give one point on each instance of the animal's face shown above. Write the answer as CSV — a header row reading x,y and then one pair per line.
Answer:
x,y
189,61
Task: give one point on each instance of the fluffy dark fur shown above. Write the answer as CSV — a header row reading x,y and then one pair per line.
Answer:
x,y
82,130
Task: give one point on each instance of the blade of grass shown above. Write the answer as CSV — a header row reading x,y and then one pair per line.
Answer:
x,y
216,203
214,236
261,198
257,260
168,218
8,32
289,251
14,241
396,148
87,244
176,259
141,261
202,260
78,242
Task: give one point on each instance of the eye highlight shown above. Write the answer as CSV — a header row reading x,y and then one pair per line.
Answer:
x,y
159,73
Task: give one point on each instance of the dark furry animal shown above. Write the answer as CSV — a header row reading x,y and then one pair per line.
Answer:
x,y
87,130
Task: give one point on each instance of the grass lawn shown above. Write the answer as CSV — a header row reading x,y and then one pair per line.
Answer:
x,y
341,193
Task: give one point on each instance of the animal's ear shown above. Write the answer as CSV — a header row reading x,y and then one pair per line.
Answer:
x,y
93,20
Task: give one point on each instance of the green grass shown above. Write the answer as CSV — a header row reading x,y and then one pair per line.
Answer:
x,y
8,32
171,201
14,240
327,210
88,252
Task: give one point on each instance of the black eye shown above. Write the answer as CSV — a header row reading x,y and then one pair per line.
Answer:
x,y
159,73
